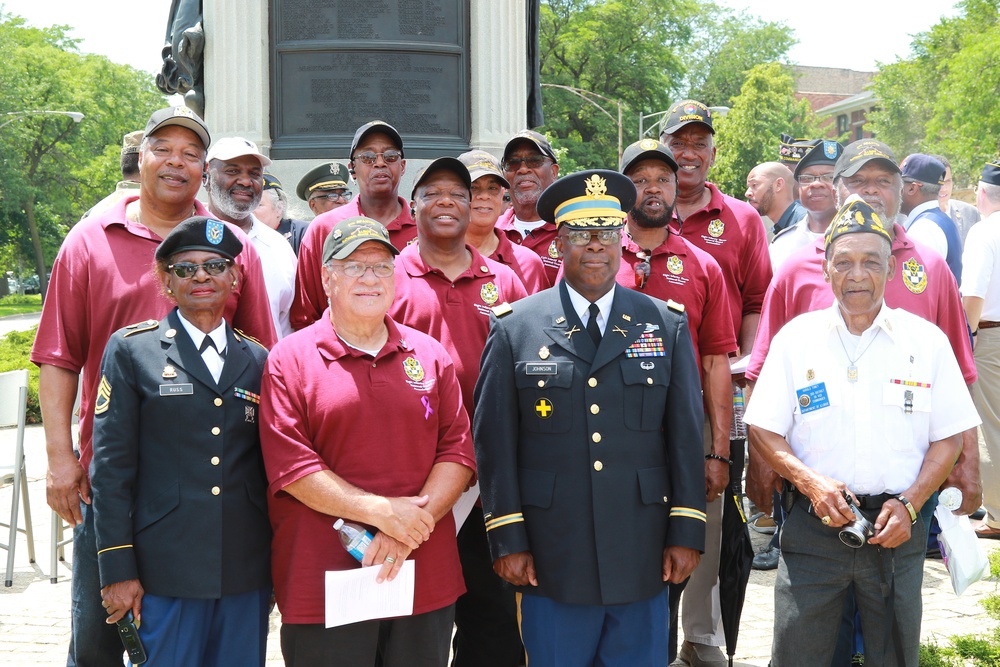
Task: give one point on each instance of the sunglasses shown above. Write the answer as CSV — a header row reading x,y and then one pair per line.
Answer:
x,y
212,267
368,157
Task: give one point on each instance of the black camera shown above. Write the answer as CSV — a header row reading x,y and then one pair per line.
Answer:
x,y
857,533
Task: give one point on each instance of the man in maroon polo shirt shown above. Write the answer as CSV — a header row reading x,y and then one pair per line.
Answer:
x,y
377,164
330,451
663,265
488,187
530,165
731,231
102,280
446,288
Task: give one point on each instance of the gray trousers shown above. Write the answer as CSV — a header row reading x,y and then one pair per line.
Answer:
x,y
701,614
814,574
986,395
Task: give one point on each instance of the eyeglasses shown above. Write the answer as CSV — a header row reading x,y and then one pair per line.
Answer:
x,y
532,162
809,179
358,269
335,196
212,267
368,157
582,237
643,268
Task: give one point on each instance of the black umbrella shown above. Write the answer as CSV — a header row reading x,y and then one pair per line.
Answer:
x,y
736,556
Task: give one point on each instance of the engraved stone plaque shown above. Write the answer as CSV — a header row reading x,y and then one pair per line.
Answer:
x,y
337,64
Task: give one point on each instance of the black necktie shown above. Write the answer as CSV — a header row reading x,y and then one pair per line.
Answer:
x,y
592,328
206,343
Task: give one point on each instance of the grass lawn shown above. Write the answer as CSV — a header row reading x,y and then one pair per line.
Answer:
x,y
17,305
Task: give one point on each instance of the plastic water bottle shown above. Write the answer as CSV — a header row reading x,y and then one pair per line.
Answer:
x,y
950,498
354,538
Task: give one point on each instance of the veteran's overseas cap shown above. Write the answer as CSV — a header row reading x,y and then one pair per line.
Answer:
x,y
200,233
791,150
991,172
454,165
327,176
348,235
862,152
376,126
823,151
531,137
179,115
229,148
481,163
856,215
591,199
686,112
923,168
271,182
647,149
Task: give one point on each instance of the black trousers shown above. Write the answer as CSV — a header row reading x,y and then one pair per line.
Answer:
x,y
487,633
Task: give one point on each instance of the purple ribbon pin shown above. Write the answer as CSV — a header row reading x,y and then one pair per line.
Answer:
x,y
426,402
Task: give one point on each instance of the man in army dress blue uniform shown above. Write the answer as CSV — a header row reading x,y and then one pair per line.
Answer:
x,y
588,438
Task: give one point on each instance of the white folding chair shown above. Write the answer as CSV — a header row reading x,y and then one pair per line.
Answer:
x,y
13,398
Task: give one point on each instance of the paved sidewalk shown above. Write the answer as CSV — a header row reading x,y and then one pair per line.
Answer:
x,y
34,614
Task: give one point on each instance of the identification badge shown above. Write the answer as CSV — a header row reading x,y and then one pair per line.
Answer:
x,y
537,368
812,398
183,389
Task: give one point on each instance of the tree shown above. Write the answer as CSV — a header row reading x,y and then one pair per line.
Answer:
x,y
748,134
53,169
726,47
621,49
942,98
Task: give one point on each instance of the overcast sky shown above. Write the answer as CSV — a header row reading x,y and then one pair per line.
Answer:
x,y
854,34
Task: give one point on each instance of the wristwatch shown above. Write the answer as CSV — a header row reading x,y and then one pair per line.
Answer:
x,y
909,508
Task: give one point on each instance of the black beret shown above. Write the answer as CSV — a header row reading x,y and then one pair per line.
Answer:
x,y
824,152
201,233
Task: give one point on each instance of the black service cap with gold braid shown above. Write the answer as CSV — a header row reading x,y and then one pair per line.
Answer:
x,y
991,172
856,215
591,199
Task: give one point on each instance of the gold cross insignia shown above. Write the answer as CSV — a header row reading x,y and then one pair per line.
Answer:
x,y
569,332
543,408
618,329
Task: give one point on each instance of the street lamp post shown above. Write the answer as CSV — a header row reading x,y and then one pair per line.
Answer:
x,y
586,95
18,115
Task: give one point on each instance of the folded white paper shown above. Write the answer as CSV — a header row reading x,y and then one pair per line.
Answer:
x,y
463,507
353,595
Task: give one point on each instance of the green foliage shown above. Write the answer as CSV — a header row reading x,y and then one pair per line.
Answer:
x,y
748,134
623,50
726,47
52,168
942,98
644,54
15,304
15,354
978,650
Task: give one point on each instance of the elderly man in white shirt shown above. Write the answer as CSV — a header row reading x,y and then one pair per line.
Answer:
x,y
860,408
235,182
981,298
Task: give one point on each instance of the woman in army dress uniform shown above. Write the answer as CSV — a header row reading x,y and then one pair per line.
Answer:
x,y
179,486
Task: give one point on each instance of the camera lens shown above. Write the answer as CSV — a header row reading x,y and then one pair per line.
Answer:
x,y
852,537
